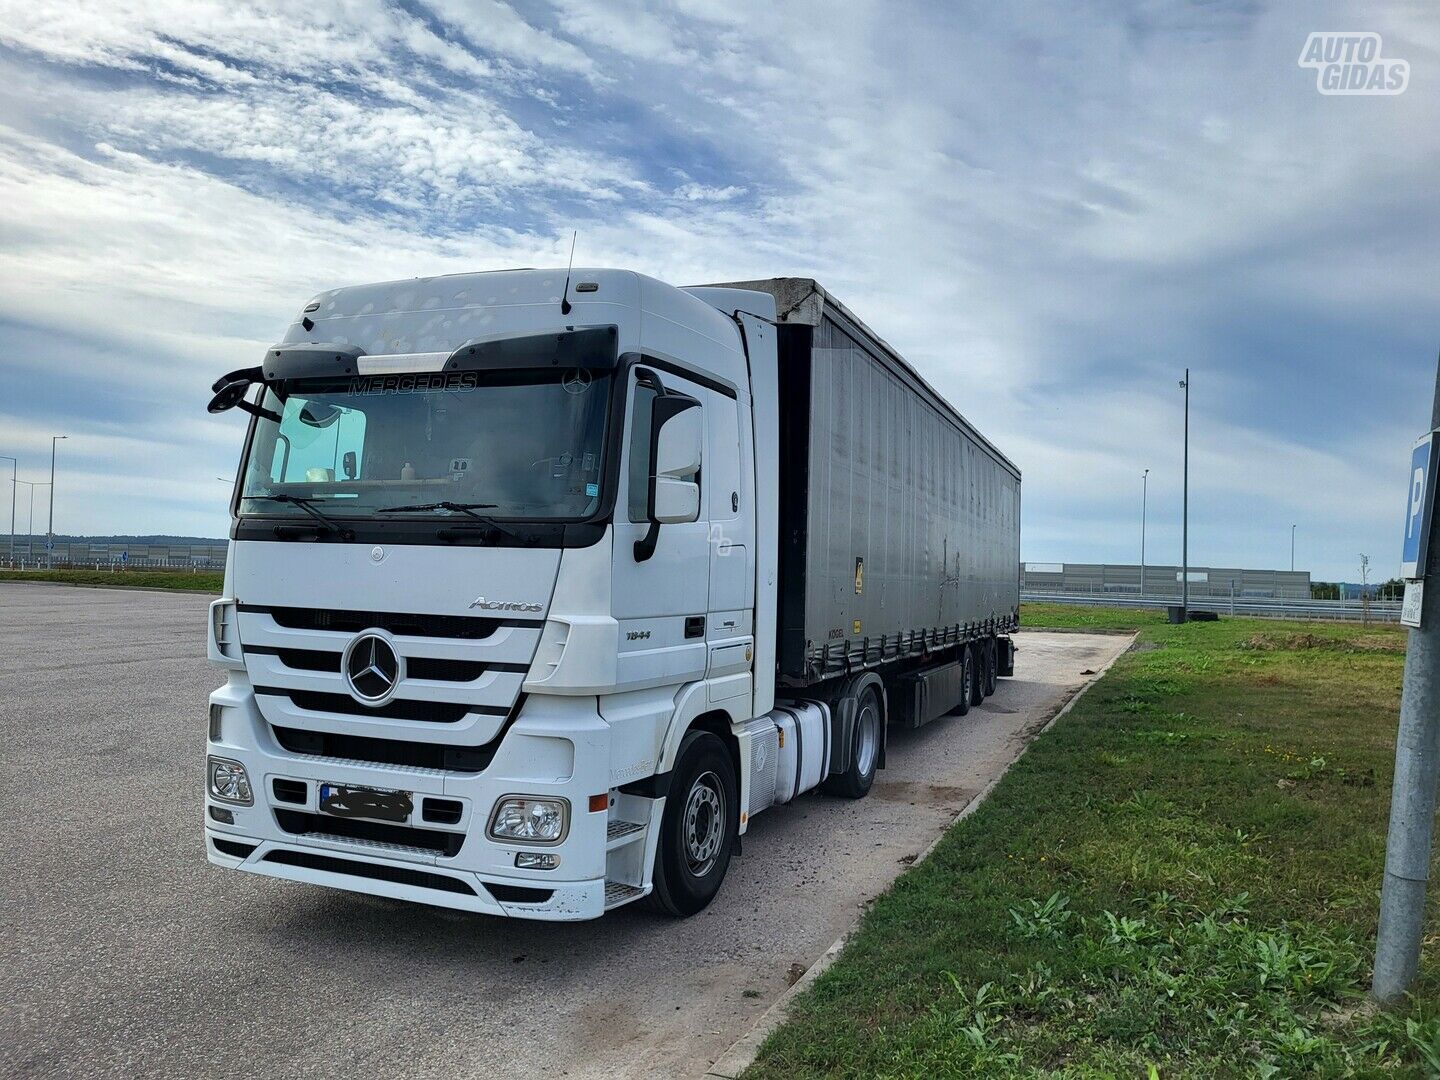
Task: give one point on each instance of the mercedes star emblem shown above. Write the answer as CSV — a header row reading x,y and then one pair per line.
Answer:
x,y
372,668
576,381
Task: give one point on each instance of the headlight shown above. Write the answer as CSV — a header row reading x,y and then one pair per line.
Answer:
x,y
536,821
229,782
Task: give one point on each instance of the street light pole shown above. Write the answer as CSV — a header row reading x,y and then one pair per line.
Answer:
x,y
1185,512
14,484
1144,495
1292,549
50,520
30,521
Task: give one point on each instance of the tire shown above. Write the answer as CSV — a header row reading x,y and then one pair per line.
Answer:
x,y
697,828
967,682
977,668
992,665
855,781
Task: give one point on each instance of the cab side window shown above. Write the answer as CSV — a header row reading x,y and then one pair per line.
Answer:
x,y
639,451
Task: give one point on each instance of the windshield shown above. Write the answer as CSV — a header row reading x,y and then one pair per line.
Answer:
x,y
522,444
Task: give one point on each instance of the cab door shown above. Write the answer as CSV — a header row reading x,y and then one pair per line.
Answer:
x,y
730,630
660,601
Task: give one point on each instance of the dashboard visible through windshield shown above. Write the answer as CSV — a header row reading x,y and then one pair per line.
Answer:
x,y
523,444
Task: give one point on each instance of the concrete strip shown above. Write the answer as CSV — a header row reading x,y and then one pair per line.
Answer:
x,y
742,1052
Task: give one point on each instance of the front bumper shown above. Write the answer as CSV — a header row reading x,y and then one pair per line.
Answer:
x,y
556,748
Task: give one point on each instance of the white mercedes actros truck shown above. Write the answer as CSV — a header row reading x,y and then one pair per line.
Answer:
x,y
542,585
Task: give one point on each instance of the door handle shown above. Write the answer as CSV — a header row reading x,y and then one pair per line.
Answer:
x,y
694,626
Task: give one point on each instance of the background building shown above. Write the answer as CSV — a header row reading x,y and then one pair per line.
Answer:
x,y
1096,579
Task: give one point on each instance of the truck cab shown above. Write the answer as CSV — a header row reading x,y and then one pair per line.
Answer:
x,y
491,562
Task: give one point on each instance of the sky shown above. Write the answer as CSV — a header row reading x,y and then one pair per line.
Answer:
x,y
1051,211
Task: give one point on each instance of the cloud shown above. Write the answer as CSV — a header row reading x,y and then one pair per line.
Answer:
x,y
1050,217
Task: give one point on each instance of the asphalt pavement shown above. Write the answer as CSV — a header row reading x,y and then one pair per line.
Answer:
x,y
124,953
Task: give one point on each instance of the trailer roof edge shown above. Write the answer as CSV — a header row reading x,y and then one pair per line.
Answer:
x,y
803,300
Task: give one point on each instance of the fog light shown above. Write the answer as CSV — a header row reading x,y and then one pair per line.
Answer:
x,y
220,814
541,821
536,860
229,782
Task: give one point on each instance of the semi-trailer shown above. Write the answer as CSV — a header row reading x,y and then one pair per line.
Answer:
x,y
541,584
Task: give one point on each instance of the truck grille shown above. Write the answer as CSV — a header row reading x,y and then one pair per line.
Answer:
x,y
461,678
403,752
430,712
419,667
398,623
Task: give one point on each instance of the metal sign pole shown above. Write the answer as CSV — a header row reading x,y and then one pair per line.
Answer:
x,y
1417,766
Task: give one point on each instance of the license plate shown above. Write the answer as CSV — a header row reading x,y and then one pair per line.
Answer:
x,y
378,804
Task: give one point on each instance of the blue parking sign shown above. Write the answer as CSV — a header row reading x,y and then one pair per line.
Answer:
x,y
1418,503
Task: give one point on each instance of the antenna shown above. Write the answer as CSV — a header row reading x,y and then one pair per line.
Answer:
x,y
565,296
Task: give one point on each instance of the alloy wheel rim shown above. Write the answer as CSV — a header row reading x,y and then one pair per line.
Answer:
x,y
704,823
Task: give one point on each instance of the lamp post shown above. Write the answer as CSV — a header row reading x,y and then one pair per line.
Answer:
x,y
1144,495
50,518
1292,549
1185,512
14,484
30,520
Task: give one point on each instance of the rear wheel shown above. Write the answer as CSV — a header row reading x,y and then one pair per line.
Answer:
x,y
977,673
992,665
698,827
855,781
967,681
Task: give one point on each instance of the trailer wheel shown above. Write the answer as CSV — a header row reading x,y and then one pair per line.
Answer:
x,y
977,673
698,827
855,781
967,682
992,665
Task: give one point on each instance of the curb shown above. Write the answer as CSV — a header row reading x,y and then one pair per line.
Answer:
x,y
740,1055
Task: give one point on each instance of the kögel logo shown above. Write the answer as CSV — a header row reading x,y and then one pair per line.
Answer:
x,y
372,668
504,605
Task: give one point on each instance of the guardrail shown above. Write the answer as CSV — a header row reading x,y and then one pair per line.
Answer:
x,y
39,562
1270,608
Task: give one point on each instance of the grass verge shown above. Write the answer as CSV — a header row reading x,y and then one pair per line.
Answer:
x,y
1180,879
1085,617
184,580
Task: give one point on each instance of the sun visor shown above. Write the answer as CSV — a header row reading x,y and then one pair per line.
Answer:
x,y
594,347
311,360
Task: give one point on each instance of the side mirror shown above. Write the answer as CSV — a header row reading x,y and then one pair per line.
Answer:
x,y
228,396
230,391
347,463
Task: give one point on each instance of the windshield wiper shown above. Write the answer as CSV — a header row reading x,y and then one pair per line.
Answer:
x,y
331,525
468,509
458,508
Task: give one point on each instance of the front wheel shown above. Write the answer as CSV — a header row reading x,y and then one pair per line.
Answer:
x,y
697,828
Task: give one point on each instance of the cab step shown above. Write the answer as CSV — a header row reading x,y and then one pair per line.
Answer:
x,y
622,832
618,892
